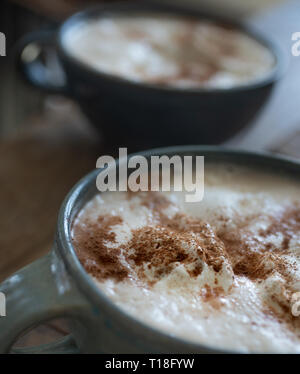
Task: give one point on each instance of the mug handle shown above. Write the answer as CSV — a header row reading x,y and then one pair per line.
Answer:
x,y
38,63
35,294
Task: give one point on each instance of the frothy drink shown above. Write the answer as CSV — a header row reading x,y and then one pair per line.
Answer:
x,y
220,272
169,50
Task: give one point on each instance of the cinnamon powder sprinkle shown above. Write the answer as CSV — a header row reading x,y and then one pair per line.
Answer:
x,y
161,246
287,223
255,258
158,248
97,258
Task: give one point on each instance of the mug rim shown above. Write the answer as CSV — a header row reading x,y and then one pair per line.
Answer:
x,y
123,8
85,282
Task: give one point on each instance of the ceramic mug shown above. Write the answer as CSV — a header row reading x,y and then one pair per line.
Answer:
x,y
135,114
58,286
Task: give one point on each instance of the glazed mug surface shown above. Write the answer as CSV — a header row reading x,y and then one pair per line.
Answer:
x,y
130,113
58,286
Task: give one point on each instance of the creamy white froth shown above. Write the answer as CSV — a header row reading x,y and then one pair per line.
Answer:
x,y
232,308
168,50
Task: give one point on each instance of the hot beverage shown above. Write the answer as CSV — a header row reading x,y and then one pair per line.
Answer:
x,y
221,272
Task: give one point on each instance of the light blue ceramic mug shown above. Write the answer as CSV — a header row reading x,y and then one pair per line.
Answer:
x,y
58,286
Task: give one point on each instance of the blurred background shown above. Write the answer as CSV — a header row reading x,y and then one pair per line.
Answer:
x,y
47,144
18,17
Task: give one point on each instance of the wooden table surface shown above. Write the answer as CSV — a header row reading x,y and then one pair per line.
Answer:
x,y
38,167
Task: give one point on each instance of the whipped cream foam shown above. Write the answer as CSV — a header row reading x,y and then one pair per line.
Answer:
x,y
220,272
169,50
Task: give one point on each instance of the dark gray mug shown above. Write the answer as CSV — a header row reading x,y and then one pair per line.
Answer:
x,y
139,115
58,286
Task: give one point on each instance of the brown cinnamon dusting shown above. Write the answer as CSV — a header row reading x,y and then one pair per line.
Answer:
x,y
178,229
209,67
258,259
250,256
159,247
287,223
162,246
208,292
98,259
212,295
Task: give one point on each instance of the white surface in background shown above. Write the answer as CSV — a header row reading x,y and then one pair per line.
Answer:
x,y
281,116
